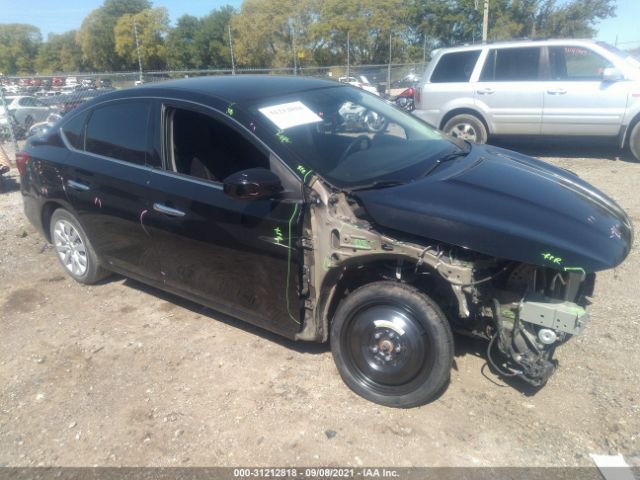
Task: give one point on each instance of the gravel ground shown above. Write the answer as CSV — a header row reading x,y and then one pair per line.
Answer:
x,y
122,374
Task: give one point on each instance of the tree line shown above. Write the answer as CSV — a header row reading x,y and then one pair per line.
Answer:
x,y
284,33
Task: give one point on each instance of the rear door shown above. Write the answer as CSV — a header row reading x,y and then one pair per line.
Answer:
x,y
576,99
238,257
108,183
511,91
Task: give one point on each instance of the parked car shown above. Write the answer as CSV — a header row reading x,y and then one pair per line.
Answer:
x,y
360,82
71,81
105,83
57,81
65,102
549,87
381,243
29,110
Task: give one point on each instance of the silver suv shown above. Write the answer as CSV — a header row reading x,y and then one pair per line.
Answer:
x,y
546,87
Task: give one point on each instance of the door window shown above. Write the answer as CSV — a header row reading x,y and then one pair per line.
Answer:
x,y
74,130
203,147
119,131
512,64
455,67
577,64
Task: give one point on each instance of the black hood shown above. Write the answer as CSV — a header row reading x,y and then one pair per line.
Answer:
x,y
510,206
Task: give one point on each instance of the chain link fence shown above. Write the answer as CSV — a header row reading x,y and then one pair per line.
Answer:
x,y
30,105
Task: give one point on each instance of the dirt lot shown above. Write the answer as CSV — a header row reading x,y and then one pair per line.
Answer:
x,y
121,374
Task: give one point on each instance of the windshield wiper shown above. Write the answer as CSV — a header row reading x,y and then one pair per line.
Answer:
x,y
379,184
446,158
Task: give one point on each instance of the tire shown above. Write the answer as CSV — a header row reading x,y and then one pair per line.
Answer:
x,y
634,142
73,248
466,127
392,344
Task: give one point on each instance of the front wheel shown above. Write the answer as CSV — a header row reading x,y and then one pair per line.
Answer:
x,y
466,127
392,344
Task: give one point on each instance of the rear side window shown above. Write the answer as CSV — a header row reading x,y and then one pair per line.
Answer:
x,y
511,64
455,67
576,63
119,131
74,131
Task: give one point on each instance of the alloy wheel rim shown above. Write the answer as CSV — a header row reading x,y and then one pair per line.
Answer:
x,y
70,247
464,131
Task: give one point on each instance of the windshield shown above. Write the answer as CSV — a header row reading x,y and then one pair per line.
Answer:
x,y
626,56
350,137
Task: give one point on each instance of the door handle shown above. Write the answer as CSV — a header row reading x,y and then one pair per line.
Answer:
x,y
172,212
558,91
485,91
82,187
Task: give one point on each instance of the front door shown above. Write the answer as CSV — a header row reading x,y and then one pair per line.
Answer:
x,y
577,101
239,257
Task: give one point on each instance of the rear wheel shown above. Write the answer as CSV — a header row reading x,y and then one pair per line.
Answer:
x,y
634,142
73,248
392,344
466,127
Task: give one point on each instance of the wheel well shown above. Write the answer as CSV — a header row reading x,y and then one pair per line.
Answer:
x,y
627,137
47,212
460,111
426,280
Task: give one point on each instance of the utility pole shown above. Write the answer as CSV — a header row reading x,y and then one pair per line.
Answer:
x,y
135,33
233,62
424,49
389,67
348,56
485,22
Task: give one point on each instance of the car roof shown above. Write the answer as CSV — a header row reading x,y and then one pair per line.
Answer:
x,y
518,43
239,88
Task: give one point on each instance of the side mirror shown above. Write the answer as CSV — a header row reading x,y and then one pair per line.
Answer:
x,y
611,74
252,184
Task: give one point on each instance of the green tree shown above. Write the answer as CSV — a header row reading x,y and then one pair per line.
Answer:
x,y
152,26
60,53
19,45
96,35
211,40
181,48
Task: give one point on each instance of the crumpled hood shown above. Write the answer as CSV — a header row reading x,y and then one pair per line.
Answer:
x,y
511,206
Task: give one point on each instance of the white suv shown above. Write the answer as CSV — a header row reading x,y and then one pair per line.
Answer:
x,y
546,87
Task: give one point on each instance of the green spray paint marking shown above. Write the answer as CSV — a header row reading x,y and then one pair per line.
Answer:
x,y
304,172
282,137
552,258
575,269
230,110
277,233
361,244
293,215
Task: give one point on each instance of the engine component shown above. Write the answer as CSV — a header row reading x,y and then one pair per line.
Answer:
x,y
557,315
547,336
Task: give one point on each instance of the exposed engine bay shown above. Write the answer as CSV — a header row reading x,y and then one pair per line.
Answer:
x,y
524,311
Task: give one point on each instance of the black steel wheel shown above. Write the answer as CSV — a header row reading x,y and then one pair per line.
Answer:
x,y
392,344
634,142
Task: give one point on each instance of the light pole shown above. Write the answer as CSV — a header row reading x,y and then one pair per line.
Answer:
x,y
485,21
135,33
233,62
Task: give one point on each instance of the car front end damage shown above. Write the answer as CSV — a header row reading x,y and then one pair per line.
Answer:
x,y
523,310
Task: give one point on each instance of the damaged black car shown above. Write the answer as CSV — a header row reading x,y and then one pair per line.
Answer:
x,y
322,213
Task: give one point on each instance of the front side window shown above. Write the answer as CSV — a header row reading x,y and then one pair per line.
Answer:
x,y
576,63
455,67
119,131
512,65
203,147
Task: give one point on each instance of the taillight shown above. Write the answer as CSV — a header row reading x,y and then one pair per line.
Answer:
x,y
21,162
409,92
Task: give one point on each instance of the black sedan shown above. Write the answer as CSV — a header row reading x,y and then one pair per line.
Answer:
x,y
256,197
